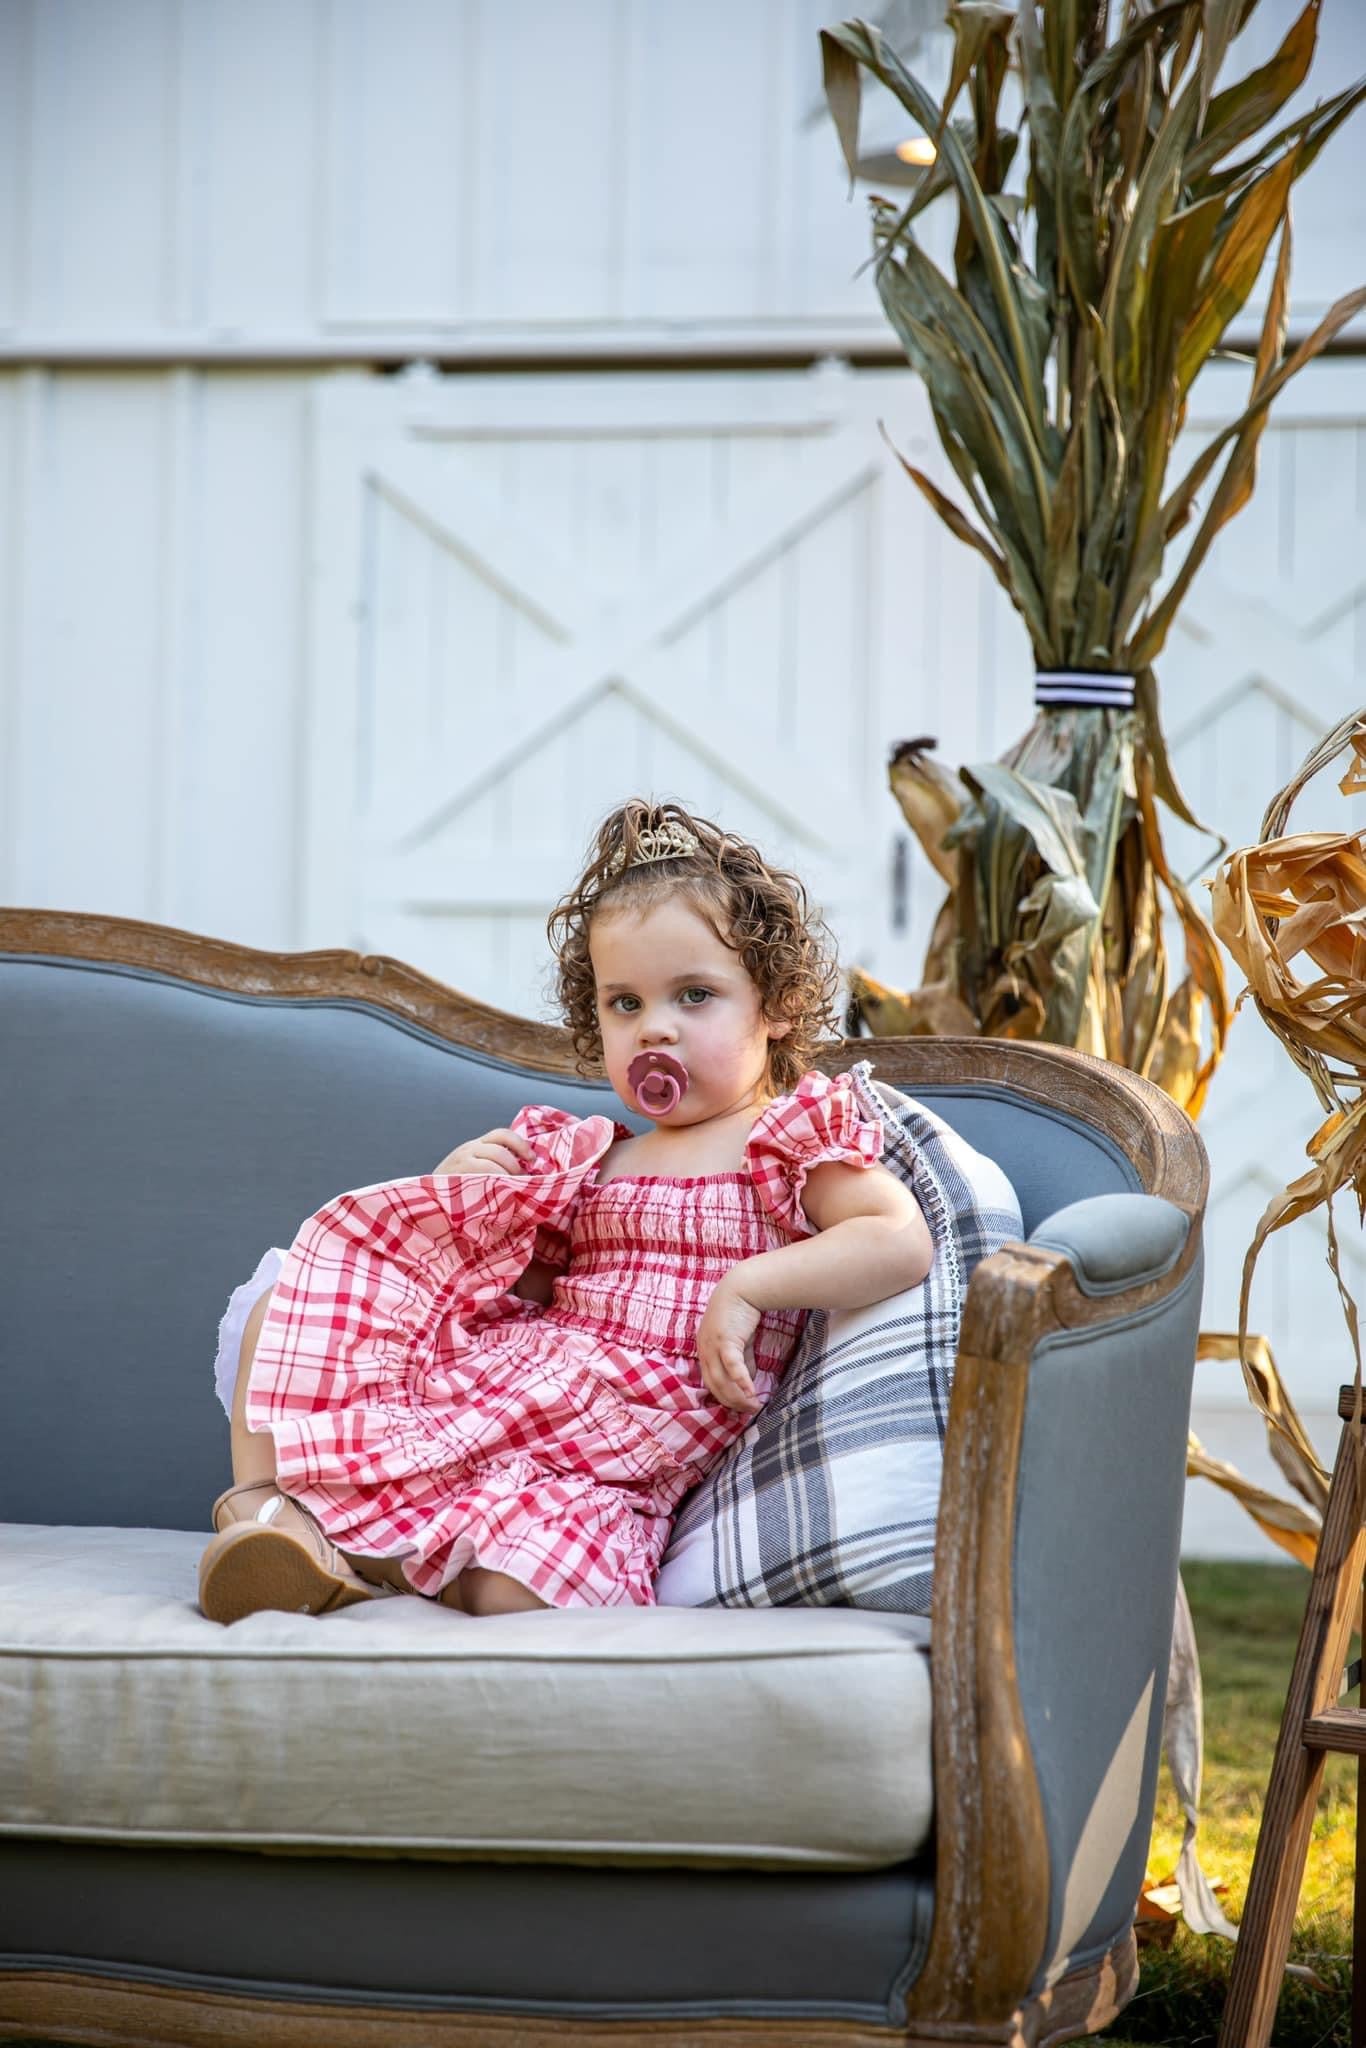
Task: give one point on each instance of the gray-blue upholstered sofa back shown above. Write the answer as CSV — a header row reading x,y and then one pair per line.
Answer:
x,y
158,1135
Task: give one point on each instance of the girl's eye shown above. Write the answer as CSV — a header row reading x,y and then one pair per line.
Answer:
x,y
704,993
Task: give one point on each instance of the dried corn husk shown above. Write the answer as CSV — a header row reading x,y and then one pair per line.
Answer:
x,y
1284,900
934,1011
1287,1439
1183,1742
930,800
1278,903
1292,1527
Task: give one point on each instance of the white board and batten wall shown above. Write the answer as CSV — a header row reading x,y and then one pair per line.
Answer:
x,y
300,653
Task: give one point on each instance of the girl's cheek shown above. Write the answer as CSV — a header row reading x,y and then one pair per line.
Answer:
x,y
716,1042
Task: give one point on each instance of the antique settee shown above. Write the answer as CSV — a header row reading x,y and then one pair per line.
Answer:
x,y
677,1825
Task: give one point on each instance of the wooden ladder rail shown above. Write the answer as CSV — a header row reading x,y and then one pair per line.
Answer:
x,y
1312,1725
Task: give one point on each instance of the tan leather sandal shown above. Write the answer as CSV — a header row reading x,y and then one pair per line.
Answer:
x,y
269,1552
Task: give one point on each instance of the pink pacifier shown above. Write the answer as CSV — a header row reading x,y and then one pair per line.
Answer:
x,y
658,1081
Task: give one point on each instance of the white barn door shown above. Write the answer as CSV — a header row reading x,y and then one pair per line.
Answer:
x,y
536,596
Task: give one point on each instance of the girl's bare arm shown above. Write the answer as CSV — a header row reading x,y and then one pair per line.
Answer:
x,y
871,1240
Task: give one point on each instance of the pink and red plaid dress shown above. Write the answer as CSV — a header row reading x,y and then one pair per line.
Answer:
x,y
421,1411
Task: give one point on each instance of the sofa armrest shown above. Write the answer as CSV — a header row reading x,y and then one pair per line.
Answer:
x,y
1115,1242
1056,1562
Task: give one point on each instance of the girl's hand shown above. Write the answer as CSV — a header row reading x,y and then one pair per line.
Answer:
x,y
498,1151
724,1349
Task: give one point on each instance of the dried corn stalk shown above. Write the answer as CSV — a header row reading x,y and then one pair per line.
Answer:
x,y
1294,1529
1292,911
1058,360
1274,903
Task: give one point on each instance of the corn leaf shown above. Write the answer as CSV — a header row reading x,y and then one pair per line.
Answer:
x,y
1176,509
1276,320
1133,115
1280,1520
1239,112
1235,264
1047,817
1244,433
977,25
1078,213
889,226
1045,130
1222,20
1180,247
1062,41
956,520
843,92
1124,301
1202,954
1287,1439
1309,132
934,1011
868,46
1173,1037
931,801
916,284
959,398
1062,557
1024,590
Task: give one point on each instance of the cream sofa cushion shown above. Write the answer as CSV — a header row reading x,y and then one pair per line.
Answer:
x,y
792,1737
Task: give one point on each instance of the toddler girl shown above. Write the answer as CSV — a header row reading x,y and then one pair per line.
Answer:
x,y
492,1384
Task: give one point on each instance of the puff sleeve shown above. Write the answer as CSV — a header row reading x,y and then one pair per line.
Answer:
x,y
545,1130
820,1120
389,1285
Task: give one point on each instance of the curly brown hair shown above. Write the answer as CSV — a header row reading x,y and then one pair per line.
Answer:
x,y
760,912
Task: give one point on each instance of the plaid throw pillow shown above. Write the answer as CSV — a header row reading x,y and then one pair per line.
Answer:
x,y
830,1497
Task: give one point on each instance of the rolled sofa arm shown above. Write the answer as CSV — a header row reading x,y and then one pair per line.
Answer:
x,y
1113,1242
1055,1578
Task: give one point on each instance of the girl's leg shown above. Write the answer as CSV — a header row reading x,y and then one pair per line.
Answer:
x,y
244,1568
253,1451
476,1591
489,1592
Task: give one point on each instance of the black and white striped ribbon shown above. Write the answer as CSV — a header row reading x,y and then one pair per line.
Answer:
x,y
1055,686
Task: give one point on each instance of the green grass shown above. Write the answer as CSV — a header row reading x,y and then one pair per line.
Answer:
x,y
1247,1619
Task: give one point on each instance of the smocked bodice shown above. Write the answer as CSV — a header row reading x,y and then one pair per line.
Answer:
x,y
644,1255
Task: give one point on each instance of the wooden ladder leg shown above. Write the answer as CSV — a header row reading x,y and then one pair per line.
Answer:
x,y
1288,1815
1359,1881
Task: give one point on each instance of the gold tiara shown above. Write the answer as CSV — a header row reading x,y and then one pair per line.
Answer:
x,y
663,842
